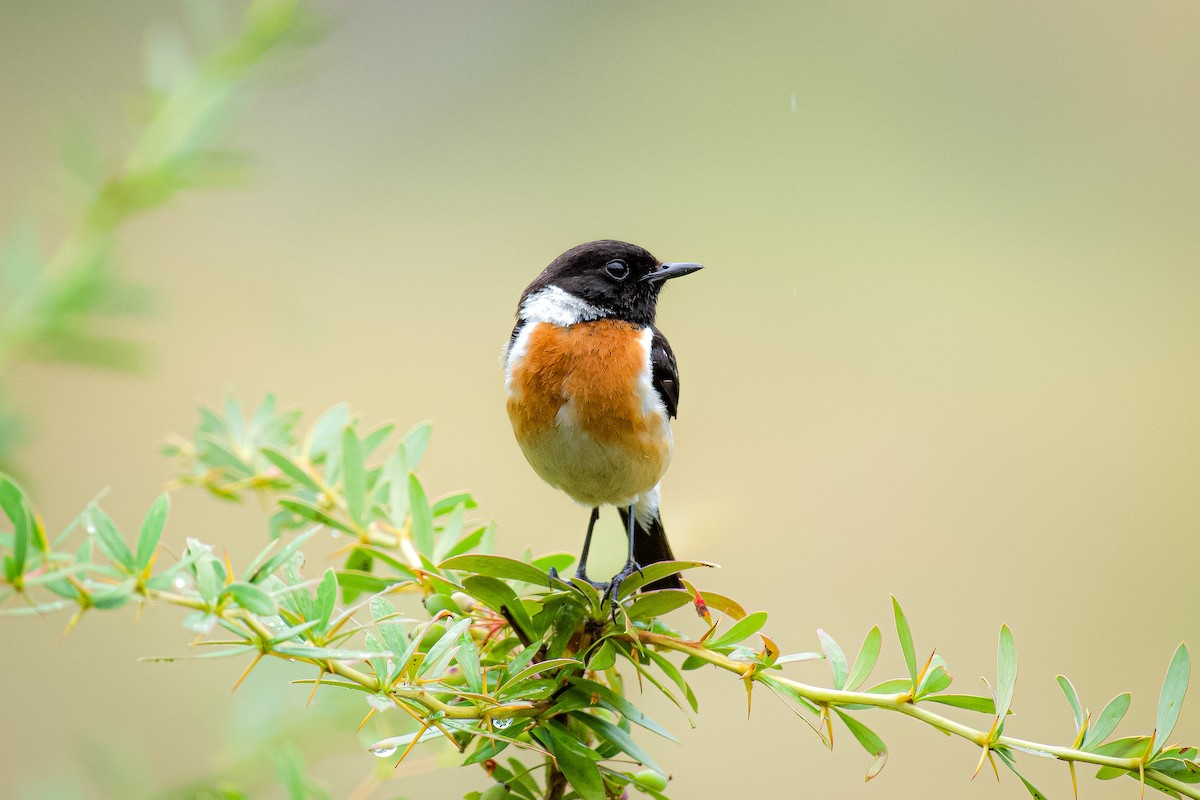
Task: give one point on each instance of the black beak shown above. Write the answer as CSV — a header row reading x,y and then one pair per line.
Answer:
x,y
669,270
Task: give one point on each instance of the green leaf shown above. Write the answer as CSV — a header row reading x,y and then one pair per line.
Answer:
x,y
653,604
354,476
742,629
1107,721
391,630
837,658
422,516
1029,787
285,553
445,505
971,702
375,438
574,760
1068,690
396,473
936,678
904,634
326,598
497,567
655,571
1171,696
1006,671
442,648
499,596
326,429
314,514
152,528
252,598
415,443
619,738
868,654
673,673
553,665
869,740
291,469
468,659
616,703
16,508
110,538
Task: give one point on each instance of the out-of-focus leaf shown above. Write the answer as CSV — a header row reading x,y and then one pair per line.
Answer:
x,y
252,598
415,443
422,516
445,505
291,468
152,528
354,476
327,429
16,508
314,514
1170,698
109,537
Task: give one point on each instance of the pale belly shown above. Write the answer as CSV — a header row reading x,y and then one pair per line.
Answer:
x,y
595,473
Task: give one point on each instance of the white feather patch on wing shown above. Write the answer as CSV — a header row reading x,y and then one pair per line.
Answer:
x,y
558,307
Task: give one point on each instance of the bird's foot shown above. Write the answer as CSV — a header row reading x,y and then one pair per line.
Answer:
x,y
612,591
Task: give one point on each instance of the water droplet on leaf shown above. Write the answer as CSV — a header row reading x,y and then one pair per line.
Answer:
x,y
384,751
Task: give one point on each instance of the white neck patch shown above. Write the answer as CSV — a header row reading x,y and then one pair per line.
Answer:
x,y
558,307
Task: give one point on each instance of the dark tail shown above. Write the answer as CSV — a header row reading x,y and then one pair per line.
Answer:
x,y
650,546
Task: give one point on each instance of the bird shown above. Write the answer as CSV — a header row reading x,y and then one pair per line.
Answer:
x,y
592,386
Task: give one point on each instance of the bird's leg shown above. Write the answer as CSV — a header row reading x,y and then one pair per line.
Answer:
x,y
630,567
581,573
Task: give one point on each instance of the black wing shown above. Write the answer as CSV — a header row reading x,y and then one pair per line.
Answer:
x,y
665,373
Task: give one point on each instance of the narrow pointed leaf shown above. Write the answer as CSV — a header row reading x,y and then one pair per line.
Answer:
x,y
110,538
1107,722
1006,671
868,654
869,740
290,468
1171,697
836,657
904,634
607,732
415,443
354,476
741,630
152,528
497,567
252,598
653,572
1068,690
422,516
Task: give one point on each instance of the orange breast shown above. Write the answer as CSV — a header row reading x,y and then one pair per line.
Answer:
x,y
584,411
597,365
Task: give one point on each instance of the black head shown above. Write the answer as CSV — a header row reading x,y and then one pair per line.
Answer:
x,y
611,279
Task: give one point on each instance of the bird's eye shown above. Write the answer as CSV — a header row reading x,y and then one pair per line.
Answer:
x,y
617,270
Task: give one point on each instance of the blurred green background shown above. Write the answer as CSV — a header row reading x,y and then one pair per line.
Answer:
x,y
947,345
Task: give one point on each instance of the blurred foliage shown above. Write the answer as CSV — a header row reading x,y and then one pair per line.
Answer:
x,y
51,303
522,673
